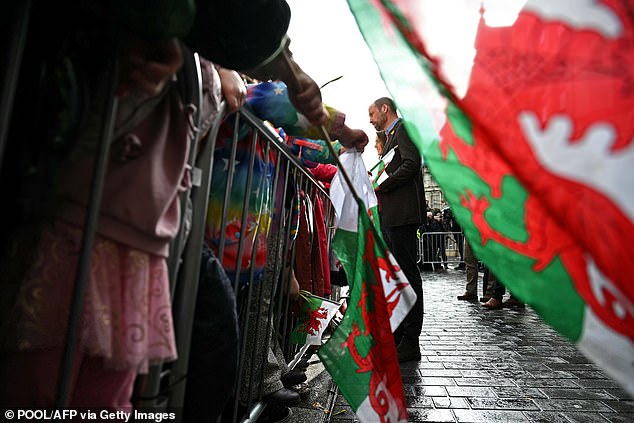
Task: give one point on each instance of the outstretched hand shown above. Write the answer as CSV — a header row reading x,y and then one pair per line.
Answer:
x,y
303,91
352,138
305,96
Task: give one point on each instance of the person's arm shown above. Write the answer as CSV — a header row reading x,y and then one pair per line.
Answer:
x,y
303,92
351,138
270,101
233,87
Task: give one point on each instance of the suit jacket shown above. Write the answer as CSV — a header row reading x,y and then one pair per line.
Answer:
x,y
402,196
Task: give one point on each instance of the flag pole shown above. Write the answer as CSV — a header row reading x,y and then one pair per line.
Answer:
x,y
298,356
326,136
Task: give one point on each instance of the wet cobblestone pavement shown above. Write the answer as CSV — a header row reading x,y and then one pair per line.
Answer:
x,y
489,366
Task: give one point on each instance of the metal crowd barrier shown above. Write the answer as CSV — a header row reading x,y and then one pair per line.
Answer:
x,y
164,386
440,249
246,406
289,172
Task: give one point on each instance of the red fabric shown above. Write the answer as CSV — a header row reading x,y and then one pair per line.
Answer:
x,y
303,271
321,240
309,266
324,173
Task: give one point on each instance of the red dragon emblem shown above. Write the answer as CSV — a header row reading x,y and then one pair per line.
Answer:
x,y
386,390
313,324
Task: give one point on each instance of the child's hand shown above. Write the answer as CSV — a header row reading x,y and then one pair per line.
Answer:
x,y
233,88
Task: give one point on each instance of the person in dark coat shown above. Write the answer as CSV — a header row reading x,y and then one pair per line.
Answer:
x,y
402,209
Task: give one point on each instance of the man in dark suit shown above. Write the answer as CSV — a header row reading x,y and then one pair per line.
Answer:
x,y
402,211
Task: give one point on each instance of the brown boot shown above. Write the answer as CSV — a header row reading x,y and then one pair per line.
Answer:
x,y
513,302
493,304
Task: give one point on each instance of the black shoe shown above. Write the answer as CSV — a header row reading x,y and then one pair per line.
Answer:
x,y
292,378
468,296
275,414
302,364
459,267
407,352
282,397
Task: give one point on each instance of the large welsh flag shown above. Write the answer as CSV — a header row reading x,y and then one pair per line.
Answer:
x,y
524,113
360,354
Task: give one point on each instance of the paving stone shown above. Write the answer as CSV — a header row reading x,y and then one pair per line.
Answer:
x,y
474,373
502,404
577,393
510,373
491,381
461,391
435,381
441,373
552,417
451,359
429,415
621,418
430,391
490,416
588,374
429,365
621,406
596,383
574,367
572,405
419,402
523,366
545,383
515,392
553,374
586,418
450,402
468,365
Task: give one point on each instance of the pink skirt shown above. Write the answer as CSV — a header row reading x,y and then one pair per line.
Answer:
x,y
127,316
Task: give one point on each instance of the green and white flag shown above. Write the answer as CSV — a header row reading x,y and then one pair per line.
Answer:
x,y
377,172
399,294
360,354
524,113
314,317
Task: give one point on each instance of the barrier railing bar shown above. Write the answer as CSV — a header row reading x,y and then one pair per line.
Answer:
x,y
88,234
185,298
273,137
230,172
14,51
245,209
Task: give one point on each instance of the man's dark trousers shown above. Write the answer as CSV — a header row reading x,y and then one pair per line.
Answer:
x,y
403,243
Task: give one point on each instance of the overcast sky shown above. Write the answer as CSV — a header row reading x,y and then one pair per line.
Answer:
x,y
326,43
